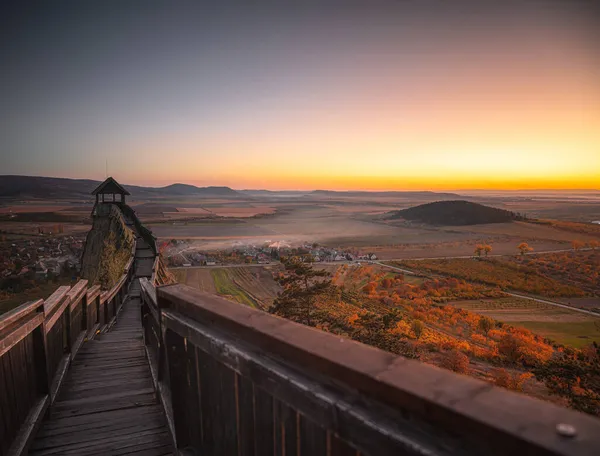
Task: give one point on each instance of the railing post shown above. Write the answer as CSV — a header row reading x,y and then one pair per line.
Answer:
x,y
68,336
176,360
40,359
84,313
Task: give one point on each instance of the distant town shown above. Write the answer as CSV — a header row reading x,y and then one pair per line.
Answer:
x,y
182,253
36,259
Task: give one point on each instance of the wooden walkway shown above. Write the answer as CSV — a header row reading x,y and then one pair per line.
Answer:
x,y
107,405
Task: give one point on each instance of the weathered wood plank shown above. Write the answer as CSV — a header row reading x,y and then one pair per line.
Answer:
x,y
27,432
56,299
56,313
93,293
15,315
14,334
77,292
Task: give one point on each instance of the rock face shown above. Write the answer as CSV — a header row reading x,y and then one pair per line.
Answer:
x,y
107,248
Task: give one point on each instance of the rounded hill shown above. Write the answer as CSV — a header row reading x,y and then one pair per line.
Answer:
x,y
453,213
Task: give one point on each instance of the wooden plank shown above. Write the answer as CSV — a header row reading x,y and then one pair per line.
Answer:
x,y
93,293
59,377
337,447
27,432
149,291
15,334
245,415
56,299
77,293
264,427
312,438
12,316
56,313
177,366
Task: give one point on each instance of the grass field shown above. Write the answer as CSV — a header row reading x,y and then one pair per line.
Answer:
x,y
561,325
226,287
253,286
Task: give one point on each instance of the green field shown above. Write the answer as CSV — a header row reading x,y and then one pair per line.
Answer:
x,y
576,333
226,287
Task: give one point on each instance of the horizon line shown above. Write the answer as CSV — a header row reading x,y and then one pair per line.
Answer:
x,y
490,189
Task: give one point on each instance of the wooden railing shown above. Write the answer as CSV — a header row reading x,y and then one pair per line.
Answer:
x,y
142,231
236,380
38,340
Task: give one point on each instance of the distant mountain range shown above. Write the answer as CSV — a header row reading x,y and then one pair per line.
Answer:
x,y
453,213
57,187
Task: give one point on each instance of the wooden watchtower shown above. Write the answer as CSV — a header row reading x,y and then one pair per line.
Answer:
x,y
112,188
108,192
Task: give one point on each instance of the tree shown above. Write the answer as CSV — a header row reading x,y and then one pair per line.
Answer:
x,y
593,244
302,287
510,380
574,375
577,244
417,328
487,249
524,248
485,324
456,361
478,249
510,347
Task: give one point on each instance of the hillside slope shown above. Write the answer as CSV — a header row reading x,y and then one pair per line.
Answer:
x,y
55,187
453,213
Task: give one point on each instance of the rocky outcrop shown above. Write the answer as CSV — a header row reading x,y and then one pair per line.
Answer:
x,y
108,247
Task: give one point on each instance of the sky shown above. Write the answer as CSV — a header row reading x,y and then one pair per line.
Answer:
x,y
370,95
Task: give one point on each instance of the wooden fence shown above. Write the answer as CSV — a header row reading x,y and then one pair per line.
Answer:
x,y
38,340
236,380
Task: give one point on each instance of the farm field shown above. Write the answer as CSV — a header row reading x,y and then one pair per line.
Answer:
x,y
561,325
578,268
226,287
509,275
199,278
253,286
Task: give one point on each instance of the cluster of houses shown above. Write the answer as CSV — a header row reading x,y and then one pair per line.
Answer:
x,y
40,257
181,254
327,254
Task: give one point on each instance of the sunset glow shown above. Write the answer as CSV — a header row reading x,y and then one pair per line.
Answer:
x,y
322,99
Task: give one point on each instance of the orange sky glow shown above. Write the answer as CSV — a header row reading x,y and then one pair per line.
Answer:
x,y
370,99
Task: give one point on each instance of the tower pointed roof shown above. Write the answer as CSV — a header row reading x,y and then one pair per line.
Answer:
x,y
110,186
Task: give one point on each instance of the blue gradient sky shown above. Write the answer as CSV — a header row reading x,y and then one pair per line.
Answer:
x,y
365,94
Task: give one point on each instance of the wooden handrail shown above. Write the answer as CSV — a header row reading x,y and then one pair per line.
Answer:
x,y
14,334
240,365
13,316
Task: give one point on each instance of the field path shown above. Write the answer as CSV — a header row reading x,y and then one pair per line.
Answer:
x,y
553,303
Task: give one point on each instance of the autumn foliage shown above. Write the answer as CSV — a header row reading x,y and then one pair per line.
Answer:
x,y
512,274
412,319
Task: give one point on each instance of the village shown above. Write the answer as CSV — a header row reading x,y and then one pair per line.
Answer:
x,y
182,253
40,257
